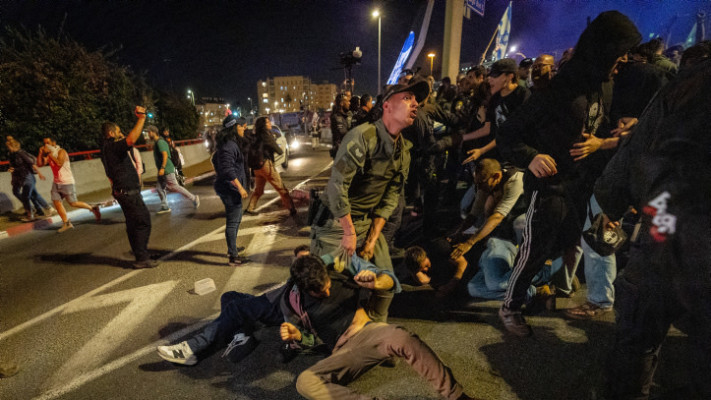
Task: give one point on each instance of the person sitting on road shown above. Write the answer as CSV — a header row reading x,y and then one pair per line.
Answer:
x,y
63,186
240,312
330,306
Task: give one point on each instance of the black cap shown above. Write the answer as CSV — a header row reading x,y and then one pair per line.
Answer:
x,y
503,66
232,120
525,63
419,86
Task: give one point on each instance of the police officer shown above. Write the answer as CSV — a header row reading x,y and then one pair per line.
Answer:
x,y
662,169
126,187
367,178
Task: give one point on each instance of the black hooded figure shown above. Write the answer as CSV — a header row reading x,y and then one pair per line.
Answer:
x,y
663,169
538,137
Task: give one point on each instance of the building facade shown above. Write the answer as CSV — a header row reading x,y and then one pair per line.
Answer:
x,y
285,94
212,111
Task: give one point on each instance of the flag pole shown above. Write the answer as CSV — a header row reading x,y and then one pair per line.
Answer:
x,y
483,55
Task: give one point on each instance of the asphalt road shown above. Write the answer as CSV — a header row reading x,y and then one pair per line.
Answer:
x,y
83,325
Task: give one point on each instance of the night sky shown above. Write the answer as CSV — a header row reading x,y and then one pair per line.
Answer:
x,y
221,48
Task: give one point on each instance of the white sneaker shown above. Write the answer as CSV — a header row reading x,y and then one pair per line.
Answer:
x,y
180,353
50,212
164,210
67,226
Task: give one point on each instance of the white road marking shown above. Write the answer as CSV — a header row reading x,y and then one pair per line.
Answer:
x,y
141,302
116,364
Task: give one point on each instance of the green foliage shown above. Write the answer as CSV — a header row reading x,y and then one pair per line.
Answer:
x,y
178,114
55,87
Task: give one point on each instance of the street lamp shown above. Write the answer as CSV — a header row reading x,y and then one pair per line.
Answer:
x,y
250,105
191,97
376,14
431,56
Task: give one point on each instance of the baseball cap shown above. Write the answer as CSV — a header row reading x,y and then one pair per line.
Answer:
x,y
525,63
232,120
503,66
419,86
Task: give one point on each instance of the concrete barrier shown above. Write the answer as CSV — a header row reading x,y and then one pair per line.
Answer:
x,y
90,177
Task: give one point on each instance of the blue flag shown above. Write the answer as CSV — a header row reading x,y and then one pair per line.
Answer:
x,y
404,54
502,35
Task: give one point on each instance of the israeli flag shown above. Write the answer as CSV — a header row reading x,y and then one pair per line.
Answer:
x,y
502,35
402,58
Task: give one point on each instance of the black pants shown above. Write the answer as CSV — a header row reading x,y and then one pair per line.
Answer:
x,y
138,222
553,226
667,280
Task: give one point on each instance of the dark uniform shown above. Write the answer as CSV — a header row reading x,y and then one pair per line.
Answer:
x,y
367,178
126,189
664,171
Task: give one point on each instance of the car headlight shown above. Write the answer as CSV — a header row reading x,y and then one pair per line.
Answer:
x,y
295,144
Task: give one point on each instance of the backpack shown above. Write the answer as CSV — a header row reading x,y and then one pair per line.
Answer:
x,y
175,157
255,153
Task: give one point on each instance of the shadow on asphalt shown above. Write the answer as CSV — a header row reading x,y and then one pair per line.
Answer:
x,y
84,258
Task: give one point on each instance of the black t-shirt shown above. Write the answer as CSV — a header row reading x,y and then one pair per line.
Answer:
x,y
118,165
500,108
331,316
22,163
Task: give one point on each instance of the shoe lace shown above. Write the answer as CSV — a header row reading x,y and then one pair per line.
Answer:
x,y
238,340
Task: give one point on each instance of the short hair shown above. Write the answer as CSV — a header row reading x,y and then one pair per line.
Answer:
x,y
414,257
365,99
152,128
108,127
309,273
696,53
51,138
300,248
478,71
486,167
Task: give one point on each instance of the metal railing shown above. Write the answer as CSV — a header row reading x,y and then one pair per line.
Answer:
x,y
91,154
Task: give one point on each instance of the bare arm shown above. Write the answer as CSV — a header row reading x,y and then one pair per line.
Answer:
x,y
491,223
138,128
369,246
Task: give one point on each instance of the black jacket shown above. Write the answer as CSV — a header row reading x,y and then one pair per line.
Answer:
x,y
554,119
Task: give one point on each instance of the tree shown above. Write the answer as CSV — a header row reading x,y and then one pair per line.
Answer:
x,y
178,114
55,87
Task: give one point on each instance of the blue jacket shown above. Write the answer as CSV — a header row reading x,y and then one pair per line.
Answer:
x,y
229,164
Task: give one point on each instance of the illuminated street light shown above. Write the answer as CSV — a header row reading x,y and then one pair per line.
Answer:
x,y
376,14
191,97
431,56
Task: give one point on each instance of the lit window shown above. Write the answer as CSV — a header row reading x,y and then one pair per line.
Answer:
x,y
265,100
264,95
264,84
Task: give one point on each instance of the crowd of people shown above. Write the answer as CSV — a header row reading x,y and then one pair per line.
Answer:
x,y
549,150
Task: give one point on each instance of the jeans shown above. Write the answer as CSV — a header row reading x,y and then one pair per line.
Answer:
x,y
170,183
138,222
233,211
239,313
28,195
600,272
495,267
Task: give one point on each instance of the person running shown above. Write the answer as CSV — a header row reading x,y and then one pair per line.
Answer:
x,y
262,161
166,172
63,186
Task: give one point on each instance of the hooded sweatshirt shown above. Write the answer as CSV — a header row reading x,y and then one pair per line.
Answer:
x,y
577,101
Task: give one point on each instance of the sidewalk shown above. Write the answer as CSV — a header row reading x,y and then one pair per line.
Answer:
x,y
11,225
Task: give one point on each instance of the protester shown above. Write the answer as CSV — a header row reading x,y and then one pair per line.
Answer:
x,y
23,170
538,138
542,71
262,162
329,306
662,170
366,182
166,172
231,181
340,123
63,185
361,115
126,185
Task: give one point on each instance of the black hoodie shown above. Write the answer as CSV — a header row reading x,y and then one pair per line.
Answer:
x,y
554,119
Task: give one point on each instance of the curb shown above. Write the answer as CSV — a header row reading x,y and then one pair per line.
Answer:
x,y
45,223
